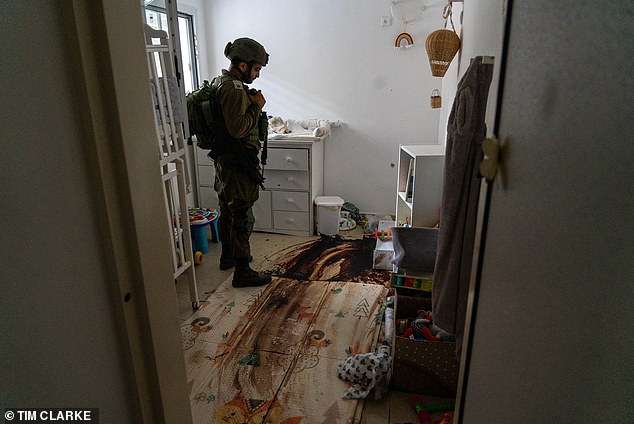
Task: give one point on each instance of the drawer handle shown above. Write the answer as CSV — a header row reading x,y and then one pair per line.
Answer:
x,y
289,159
290,200
290,179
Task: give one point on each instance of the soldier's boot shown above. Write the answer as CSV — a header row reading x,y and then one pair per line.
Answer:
x,y
244,276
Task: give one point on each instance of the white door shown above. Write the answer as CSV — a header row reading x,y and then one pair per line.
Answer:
x,y
552,338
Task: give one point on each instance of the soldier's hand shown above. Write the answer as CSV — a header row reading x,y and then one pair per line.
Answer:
x,y
258,99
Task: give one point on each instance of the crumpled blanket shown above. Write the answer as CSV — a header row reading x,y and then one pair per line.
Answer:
x,y
367,371
278,126
312,127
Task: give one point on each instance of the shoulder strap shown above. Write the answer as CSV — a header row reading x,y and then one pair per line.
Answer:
x,y
205,105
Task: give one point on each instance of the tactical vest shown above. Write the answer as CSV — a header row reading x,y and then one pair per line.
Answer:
x,y
254,136
206,120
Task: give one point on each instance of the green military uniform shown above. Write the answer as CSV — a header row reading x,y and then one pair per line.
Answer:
x,y
236,188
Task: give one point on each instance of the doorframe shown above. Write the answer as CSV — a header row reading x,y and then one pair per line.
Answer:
x,y
107,54
480,238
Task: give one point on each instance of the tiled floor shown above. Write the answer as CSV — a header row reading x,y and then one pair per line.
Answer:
x,y
392,409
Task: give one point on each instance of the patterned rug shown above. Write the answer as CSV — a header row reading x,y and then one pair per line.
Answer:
x,y
328,259
270,354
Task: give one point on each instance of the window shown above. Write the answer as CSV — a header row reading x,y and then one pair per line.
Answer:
x,y
156,17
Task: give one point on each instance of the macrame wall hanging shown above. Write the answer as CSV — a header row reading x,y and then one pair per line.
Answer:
x,y
442,45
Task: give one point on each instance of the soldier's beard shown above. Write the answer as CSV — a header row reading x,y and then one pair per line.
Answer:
x,y
246,77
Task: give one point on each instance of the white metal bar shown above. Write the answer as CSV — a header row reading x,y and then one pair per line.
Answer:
x,y
170,225
156,48
172,153
189,253
162,97
153,77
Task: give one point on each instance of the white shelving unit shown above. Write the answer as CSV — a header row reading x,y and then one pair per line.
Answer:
x,y
418,198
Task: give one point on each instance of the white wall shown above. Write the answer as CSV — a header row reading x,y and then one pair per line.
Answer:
x,y
483,33
333,60
60,341
481,28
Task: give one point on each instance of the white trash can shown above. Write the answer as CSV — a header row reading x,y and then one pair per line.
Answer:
x,y
328,211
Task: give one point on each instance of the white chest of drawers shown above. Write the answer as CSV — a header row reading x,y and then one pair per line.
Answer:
x,y
293,178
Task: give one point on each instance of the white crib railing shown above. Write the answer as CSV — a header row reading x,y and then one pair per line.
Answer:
x,y
170,117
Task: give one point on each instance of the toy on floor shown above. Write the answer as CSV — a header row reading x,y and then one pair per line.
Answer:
x,y
383,235
423,328
377,227
367,372
346,222
424,411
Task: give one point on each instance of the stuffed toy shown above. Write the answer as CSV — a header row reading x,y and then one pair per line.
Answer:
x,y
367,371
421,324
422,327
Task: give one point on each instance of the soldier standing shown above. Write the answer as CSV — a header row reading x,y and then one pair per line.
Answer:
x,y
236,161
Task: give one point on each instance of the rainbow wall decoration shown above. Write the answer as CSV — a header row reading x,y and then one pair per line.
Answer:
x,y
404,40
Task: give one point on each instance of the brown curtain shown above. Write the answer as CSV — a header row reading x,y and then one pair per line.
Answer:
x,y
461,187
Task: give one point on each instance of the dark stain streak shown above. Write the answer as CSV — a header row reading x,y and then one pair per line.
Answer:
x,y
268,321
286,300
330,259
218,357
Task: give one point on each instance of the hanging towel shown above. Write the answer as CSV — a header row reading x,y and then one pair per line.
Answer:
x,y
461,187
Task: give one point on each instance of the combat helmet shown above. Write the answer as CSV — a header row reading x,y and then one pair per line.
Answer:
x,y
248,50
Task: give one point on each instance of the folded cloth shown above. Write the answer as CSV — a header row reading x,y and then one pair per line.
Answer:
x,y
367,371
278,126
322,130
312,127
299,127
319,127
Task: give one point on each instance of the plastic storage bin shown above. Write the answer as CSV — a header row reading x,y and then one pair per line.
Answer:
x,y
328,211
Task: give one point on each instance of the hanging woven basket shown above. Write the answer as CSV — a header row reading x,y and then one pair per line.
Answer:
x,y
435,99
441,45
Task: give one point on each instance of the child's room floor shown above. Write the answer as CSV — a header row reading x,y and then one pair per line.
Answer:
x,y
392,409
